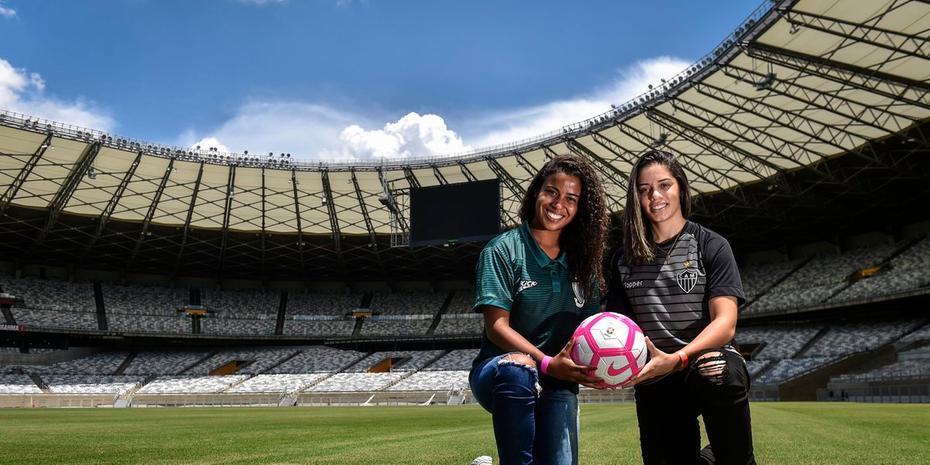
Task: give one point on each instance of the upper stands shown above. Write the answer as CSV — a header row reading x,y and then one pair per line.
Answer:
x,y
241,303
409,303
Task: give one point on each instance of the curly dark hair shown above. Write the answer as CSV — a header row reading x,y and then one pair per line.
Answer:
x,y
584,239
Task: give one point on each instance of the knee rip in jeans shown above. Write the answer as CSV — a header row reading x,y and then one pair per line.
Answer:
x,y
712,366
519,359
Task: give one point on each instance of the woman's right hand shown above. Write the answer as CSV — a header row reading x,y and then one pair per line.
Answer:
x,y
563,367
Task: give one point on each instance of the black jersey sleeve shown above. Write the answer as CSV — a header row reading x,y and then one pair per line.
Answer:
x,y
722,272
616,300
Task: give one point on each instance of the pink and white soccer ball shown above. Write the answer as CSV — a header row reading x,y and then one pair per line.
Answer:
x,y
613,344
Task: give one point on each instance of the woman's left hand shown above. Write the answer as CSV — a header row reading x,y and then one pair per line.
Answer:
x,y
660,364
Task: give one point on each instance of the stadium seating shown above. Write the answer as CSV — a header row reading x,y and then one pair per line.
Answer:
x,y
906,272
91,384
143,300
356,382
241,303
818,280
408,327
783,370
238,326
756,279
171,324
319,328
319,360
460,324
778,342
17,384
51,294
279,383
407,360
191,384
844,339
309,303
455,360
249,361
462,302
163,363
409,303
104,363
432,381
55,319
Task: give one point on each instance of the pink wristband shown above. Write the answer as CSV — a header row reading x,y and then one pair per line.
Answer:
x,y
544,365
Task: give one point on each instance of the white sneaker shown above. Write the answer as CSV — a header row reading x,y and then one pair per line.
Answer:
x,y
481,460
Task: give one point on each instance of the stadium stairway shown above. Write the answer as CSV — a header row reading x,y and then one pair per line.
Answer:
x,y
39,382
8,315
779,281
282,361
102,323
124,400
410,373
198,362
803,350
122,366
442,311
282,314
333,373
357,329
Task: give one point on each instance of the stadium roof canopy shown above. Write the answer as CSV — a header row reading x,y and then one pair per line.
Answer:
x,y
762,116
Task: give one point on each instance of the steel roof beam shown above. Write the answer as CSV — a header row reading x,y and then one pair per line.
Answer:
x,y
527,166
107,212
748,162
364,207
264,234
706,173
331,209
185,233
466,172
515,188
796,121
230,194
833,102
411,178
905,44
890,86
300,231
67,188
438,174
149,214
24,173
611,171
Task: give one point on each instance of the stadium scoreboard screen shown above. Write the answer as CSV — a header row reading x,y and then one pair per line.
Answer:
x,y
468,211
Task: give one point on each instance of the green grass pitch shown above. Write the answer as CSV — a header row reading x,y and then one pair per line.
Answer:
x,y
785,433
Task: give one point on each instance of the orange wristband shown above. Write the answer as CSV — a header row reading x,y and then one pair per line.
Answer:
x,y
683,357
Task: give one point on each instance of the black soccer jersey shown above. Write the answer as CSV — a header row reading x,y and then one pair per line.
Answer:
x,y
668,298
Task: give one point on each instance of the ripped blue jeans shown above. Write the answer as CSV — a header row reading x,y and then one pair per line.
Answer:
x,y
531,425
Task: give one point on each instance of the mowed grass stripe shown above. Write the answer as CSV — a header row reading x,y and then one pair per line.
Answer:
x,y
785,433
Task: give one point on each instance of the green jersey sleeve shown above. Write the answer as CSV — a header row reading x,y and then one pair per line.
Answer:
x,y
494,280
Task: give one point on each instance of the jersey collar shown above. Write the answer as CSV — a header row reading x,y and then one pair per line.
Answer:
x,y
542,259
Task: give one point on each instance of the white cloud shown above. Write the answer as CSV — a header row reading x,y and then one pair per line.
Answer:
x,y
513,125
313,131
208,143
24,92
6,11
411,136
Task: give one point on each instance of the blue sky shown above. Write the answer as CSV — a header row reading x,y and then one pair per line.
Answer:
x,y
343,79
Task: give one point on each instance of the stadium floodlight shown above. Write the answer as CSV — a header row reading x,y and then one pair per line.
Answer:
x,y
660,141
91,173
766,82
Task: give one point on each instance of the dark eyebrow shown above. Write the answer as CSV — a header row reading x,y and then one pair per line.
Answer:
x,y
646,183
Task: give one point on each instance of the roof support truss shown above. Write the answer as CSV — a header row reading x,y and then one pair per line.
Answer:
x,y
24,173
185,233
70,184
300,231
512,185
227,209
897,42
364,207
107,212
149,214
892,87
611,171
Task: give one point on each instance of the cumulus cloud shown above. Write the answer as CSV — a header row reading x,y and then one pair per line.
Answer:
x,y
517,124
208,143
24,92
411,136
318,131
6,11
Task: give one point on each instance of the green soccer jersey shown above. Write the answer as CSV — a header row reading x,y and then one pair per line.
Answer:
x,y
514,274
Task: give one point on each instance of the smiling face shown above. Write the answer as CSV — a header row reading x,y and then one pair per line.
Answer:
x,y
659,194
557,202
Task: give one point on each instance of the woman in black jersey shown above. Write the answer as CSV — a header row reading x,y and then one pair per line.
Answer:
x,y
679,281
